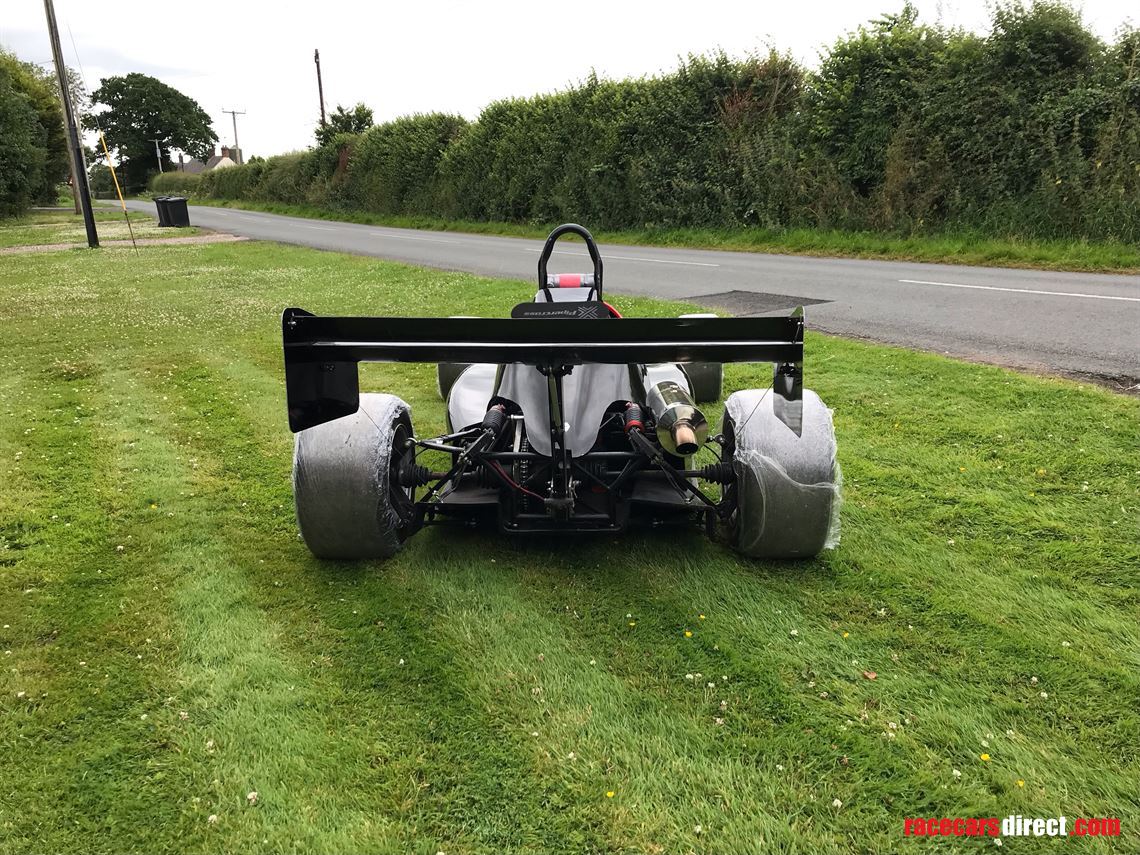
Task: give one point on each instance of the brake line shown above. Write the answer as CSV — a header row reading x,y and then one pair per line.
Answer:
x,y
494,464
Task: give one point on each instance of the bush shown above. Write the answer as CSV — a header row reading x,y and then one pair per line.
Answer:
x,y
393,168
179,183
1032,130
232,182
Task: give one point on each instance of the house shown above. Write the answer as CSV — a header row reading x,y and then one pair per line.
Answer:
x,y
227,157
192,166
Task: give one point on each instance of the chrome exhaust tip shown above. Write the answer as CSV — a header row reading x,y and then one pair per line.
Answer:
x,y
681,427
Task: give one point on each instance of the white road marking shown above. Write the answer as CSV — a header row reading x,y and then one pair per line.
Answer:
x,y
415,237
606,255
1023,291
320,228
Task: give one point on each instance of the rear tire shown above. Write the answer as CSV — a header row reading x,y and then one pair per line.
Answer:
x,y
705,378
786,487
346,481
446,374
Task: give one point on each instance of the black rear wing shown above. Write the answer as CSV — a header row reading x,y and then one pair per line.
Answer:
x,y
322,353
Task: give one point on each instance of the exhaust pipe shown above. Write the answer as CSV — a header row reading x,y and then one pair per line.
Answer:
x,y
681,427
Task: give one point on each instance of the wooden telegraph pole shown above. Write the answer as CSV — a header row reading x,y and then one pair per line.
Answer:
x,y
320,86
81,188
233,115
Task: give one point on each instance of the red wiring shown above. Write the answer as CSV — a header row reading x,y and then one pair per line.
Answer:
x,y
613,311
495,465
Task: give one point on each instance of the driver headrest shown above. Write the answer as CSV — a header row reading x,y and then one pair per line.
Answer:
x,y
563,294
570,280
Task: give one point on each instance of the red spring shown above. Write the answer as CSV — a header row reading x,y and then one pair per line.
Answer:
x,y
633,417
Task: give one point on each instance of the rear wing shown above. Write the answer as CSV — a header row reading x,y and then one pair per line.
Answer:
x,y
322,353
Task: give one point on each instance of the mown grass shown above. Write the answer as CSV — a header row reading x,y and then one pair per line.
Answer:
x,y
169,646
50,227
973,249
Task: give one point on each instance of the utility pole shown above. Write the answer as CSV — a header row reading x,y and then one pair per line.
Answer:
x,y
81,187
320,86
158,154
234,114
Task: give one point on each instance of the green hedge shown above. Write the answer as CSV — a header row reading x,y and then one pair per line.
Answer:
x,y
184,183
1032,130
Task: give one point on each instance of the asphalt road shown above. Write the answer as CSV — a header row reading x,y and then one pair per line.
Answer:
x,y
1068,323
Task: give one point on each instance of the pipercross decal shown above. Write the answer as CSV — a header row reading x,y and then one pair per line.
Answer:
x,y
592,310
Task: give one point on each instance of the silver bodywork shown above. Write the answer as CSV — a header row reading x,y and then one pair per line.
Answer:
x,y
586,394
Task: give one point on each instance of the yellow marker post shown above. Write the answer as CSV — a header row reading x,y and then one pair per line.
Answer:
x,y
118,190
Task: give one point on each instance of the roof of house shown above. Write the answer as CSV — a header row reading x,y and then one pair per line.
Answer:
x,y
193,166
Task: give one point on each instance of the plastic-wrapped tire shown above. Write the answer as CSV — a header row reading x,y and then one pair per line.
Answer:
x,y
787,488
446,374
705,378
349,503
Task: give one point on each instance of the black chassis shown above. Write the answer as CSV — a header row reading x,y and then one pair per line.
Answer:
x,y
590,492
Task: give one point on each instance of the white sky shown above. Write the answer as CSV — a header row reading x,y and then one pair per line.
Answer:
x,y
432,56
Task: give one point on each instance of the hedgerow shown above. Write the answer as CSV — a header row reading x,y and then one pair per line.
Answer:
x,y
1032,129
175,182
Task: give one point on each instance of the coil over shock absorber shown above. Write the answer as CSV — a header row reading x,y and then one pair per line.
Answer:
x,y
633,417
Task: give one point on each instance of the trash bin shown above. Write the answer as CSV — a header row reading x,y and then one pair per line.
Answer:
x,y
177,213
163,210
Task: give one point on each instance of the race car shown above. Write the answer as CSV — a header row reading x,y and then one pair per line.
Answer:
x,y
564,418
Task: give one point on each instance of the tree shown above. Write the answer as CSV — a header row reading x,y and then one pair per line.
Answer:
x,y
342,121
23,150
138,109
41,91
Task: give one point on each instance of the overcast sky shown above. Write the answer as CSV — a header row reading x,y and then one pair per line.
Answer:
x,y
432,56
